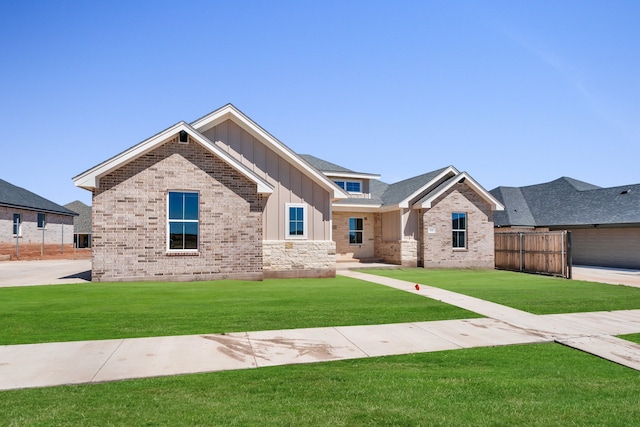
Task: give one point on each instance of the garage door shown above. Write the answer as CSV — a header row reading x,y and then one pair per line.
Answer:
x,y
607,247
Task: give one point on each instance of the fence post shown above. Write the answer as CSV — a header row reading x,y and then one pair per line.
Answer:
x,y
569,256
521,252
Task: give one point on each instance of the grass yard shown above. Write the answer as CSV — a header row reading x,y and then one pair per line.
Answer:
x,y
632,337
542,384
529,292
35,314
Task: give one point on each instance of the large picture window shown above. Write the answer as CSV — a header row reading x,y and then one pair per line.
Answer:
x,y
356,225
296,224
183,218
459,227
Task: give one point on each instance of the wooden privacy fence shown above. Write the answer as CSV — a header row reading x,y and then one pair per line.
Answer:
x,y
534,252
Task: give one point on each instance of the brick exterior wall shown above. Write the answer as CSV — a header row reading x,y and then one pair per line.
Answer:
x,y
345,250
58,228
130,219
299,258
438,247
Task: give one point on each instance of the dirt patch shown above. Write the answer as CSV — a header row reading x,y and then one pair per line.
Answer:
x,y
33,251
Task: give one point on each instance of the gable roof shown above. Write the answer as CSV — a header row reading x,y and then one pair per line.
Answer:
x,y
567,202
230,112
81,223
415,192
90,178
427,200
401,193
13,196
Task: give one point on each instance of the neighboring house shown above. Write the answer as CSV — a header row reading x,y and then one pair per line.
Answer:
x,y
26,215
222,198
604,222
441,219
81,224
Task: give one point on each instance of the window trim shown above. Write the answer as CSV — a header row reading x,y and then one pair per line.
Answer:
x,y
44,221
459,230
354,230
169,221
346,181
287,224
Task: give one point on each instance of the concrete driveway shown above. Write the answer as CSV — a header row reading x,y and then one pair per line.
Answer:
x,y
50,272
612,276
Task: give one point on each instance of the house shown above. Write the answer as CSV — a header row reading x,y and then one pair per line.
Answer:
x,y
222,198
604,222
441,219
81,224
29,218
217,198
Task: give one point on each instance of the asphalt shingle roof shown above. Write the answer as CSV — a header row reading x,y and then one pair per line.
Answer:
x,y
323,165
566,202
381,193
17,197
395,193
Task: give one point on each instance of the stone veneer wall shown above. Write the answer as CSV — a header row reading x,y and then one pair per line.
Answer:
x,y
438,247
409,253
130,219
58,228
299,258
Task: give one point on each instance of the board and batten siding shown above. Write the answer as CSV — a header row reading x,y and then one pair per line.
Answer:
x,y
290,184
617,247
391,226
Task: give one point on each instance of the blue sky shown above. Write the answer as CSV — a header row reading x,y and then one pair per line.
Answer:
x,y
513,92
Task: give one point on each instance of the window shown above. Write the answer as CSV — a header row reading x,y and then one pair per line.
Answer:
x,y
459,227
17,225
355,231
42,220
183,219
296,226
350,186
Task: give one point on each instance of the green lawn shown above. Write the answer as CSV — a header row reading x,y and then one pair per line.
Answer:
x,y
632,337
117,310
533,293
542,384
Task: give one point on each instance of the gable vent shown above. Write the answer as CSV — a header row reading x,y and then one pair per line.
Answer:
x,y
184,137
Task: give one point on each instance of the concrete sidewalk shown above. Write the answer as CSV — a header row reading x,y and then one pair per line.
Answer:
x,y
49,364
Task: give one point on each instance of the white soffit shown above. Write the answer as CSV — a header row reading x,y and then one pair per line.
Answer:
x,y
354,175
230,112
342,207
90,179
425,202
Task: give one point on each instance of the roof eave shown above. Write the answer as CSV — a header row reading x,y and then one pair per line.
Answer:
x,y
90,179
339,207
405,202
354,175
